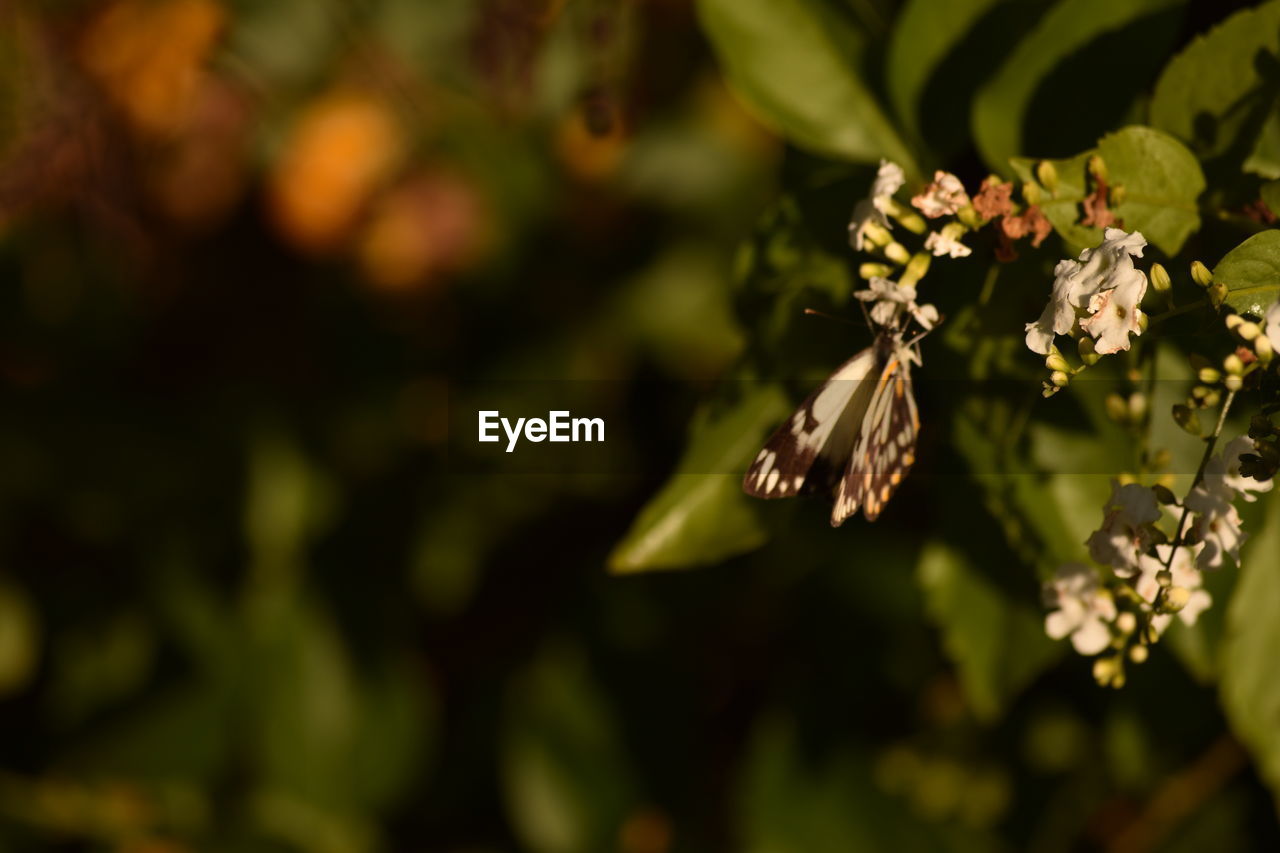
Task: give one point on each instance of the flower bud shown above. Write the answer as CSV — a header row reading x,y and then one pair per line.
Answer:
x,y
897,253
1234,321
1126,622
1137,407
1109,671
1175,598
1233,365
1059,378
1098,168
1055,361
1047,175
1200,274
916,269
1117,409
1248,331
1139,654
874,269
1209,376
1160,278
1143,320
907,218
1032,194
1117,195
1088,351
1233,383
1217,293
1265,351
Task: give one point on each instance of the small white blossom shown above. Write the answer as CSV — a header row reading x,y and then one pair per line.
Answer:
x,y
1183,573
1084,610
943,197
872,211
1272,330
1105,286
891,299
1216,522
1128,527
943,243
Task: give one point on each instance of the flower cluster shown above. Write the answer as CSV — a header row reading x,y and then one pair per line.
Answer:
x,y
1144,576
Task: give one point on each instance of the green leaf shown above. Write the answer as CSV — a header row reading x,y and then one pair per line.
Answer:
x,y
1214,92
1271,196
997,645
1001,109
1264,160
1250,691
796,66
925,33
1156,177
1251,272
565,775
701,515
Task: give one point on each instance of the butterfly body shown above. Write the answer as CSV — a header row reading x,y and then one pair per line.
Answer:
x,y
854,436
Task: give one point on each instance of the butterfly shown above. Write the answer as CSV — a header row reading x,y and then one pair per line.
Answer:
x,y
855,436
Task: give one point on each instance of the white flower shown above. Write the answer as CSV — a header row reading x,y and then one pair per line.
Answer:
x,y
1127,529
1183,573
1272,330
1084,609
943,197
1222,472
873,211
1103,284
1216,522
942,243
891,299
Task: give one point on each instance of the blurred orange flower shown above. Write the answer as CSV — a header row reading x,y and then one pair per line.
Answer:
x,y
342,148
148,57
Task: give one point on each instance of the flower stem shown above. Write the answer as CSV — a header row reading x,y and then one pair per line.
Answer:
x,y
1210,442
1174,312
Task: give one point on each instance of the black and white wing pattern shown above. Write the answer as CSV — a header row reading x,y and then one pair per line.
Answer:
x,y
885,448
808,453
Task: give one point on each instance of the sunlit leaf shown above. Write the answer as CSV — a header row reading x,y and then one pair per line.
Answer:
x,y
1155,177
701,515
1251,272
1093,94
796,65
1215,92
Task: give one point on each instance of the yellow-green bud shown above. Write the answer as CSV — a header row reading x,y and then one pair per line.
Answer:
x,y
1200,274
1233,365
1059,378
1047,175
1175,598
897,253
1262,346
1032,194
1117,195
874,269
1209,375
1088,351
1234,321
1126,622
1098,168
1109,672
1117,410
1232,383
1139,654
916,269
1055,361
1160,278
1248,331
1143,319
1217,293
1137,407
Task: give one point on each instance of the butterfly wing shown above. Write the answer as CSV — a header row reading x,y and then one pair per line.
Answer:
x,y
808,452
885,448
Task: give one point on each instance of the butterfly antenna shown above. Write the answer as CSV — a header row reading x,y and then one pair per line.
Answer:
x,y
844,320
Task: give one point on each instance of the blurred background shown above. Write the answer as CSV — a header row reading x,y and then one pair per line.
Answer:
x,y
252,255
